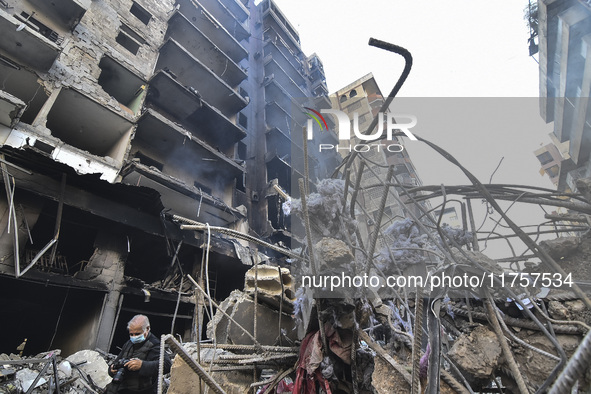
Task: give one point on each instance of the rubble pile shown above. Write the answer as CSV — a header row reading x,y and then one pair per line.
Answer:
x,y
417,337
82,372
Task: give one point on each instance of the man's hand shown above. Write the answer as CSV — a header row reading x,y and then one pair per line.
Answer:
x,y
134,364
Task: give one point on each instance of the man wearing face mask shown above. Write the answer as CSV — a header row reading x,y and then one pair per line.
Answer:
x,y
138,375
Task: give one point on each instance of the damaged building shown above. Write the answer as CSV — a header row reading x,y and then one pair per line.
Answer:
x,y
116,117
156,159
564,37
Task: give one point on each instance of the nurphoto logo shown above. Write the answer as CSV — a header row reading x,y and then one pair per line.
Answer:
x,y
392,122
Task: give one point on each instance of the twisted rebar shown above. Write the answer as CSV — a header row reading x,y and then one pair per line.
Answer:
x,y
505,347
417,342
512,321
577,366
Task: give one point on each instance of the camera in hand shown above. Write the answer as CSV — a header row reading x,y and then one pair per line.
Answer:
x,y
119,365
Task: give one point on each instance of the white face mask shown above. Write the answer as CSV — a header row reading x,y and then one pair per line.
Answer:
x,y
138,338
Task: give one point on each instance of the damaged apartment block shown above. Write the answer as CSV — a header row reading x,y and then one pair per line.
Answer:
x,y
115,117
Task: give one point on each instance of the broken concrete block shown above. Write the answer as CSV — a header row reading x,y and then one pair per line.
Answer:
x,y
269,285
183,380
478,353
536,367
25,378
557,310
241,307
386,380
93,364
334,252
561,247
575,307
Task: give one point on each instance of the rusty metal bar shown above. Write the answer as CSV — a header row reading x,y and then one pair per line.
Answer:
x,y
265,348
417,342
505,346
374,236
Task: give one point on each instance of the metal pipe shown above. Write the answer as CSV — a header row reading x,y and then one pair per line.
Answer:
x,y
58,220
15,245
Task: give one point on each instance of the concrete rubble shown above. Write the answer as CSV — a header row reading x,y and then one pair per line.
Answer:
x,y
82,372
368,341
270,337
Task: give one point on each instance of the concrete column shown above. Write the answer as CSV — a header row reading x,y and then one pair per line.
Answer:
x,y
41,118
107,264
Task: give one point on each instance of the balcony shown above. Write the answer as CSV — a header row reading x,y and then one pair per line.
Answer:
x,y
200,46
26,46
66,13
166,139
179,198
286,173
87,125
11,108
277,116
194,114
191,72
271,19
235,24
230,8
319,88
287,61
213,18
275,92
202,20
280,144
273,69
118,81
328,137
23,84
322,102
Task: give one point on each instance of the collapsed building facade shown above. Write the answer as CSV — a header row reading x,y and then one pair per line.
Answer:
x,y
118,115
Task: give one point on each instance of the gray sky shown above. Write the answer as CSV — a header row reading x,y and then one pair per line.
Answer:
x,y
460,48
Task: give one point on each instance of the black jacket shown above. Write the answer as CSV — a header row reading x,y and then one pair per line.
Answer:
x,y
144,379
